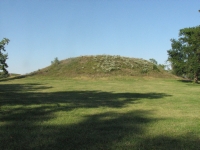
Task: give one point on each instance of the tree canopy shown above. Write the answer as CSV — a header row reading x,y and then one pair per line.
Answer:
x,y
185,53
3,58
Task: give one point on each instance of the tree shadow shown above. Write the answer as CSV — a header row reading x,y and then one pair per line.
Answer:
x,y
13,78
21,88
23,123
187,81
29,94
186,141
98,131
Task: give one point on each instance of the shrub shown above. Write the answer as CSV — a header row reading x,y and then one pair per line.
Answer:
x,y
55,61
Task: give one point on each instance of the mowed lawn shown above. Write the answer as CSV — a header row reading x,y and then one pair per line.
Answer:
x,y
111,113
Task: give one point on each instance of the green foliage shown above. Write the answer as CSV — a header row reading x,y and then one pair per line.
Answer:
x,y
156,65
185,53
153,61
55,61
144,70
3,58
162,66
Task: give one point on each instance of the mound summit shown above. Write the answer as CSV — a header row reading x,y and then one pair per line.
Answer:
x,y
102,66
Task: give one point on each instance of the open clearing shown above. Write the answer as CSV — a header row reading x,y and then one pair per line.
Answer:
x,y
110,113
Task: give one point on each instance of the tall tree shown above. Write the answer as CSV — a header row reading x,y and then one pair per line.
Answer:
x,y
3,58
185,53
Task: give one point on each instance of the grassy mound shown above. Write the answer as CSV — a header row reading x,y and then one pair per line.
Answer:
x,y
102,66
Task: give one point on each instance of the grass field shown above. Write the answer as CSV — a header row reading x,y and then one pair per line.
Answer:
x,y
108,113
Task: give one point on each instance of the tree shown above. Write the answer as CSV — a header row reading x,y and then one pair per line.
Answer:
x,y
3,58
185,53
153,61
162,66
55,61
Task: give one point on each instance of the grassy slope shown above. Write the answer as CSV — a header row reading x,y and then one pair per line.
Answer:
x,y
123,113
101,66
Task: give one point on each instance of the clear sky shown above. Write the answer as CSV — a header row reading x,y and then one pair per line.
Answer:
x,y
40,30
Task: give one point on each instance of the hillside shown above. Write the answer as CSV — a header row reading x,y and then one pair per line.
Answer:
x,y
102,66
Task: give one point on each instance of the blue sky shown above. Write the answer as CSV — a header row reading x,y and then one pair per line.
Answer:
x,y
40,30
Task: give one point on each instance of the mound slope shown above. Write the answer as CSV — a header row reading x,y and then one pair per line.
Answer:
x,y
102,66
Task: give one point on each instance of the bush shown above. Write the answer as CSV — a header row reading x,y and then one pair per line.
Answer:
x,y
55,61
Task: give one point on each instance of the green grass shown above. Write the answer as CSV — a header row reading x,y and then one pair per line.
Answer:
x,y
102,66
107,113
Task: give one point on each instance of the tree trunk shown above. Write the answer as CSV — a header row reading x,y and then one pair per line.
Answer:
x,y
196,78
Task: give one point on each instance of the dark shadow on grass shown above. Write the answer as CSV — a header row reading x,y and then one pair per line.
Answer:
x,y
108,130
23,123
185,81
188,81
13,78
28,94
21,88
186,141
99,131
